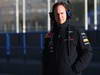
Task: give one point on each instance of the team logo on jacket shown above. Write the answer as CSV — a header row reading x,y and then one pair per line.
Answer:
x,y
85,39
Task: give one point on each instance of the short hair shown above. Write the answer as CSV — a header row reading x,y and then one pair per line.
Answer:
x,y
65,4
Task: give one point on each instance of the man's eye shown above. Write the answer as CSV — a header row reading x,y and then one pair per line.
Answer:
x,y
61,13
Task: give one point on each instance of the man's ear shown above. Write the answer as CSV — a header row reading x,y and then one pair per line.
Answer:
x,y
51,15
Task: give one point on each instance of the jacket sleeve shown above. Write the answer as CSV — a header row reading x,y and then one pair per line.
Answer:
x,y
45,57
45,53
84,51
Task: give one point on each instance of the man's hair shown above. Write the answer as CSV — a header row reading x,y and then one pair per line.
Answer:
x,y
65,4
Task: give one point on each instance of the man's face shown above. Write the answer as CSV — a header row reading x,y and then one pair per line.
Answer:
x,y
60,14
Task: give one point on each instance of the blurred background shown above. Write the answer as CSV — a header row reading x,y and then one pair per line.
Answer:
x,y
23,25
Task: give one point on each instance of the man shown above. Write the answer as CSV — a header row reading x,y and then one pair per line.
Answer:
x,y
67,49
